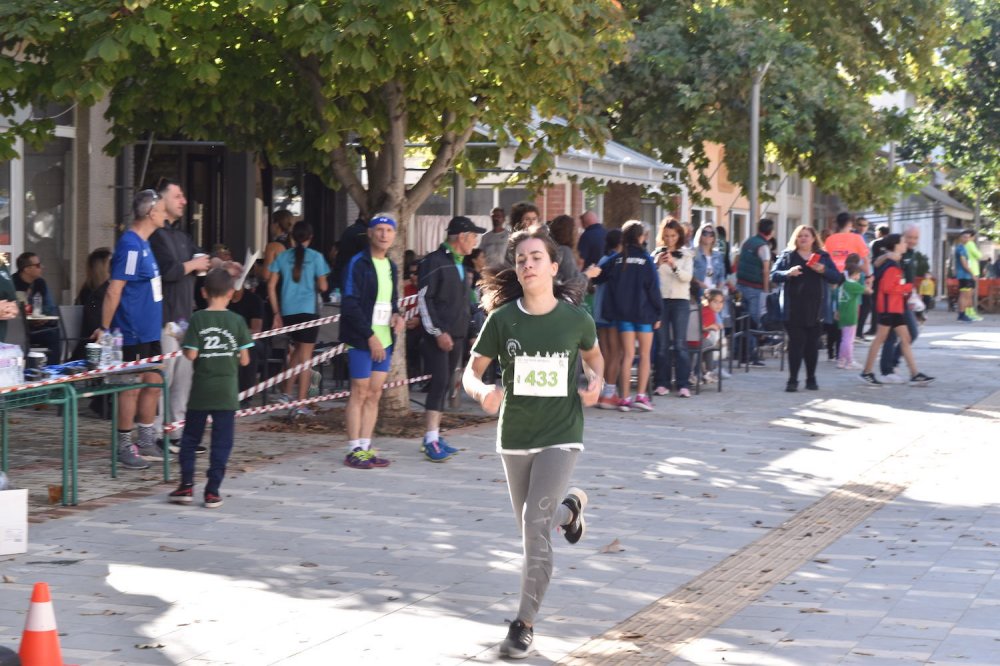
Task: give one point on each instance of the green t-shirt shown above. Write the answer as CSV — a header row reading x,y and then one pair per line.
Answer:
x,y
383,301
218,336
848,301
530,422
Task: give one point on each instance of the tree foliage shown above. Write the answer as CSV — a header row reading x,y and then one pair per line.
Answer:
x,y
332,85
688,81
959,118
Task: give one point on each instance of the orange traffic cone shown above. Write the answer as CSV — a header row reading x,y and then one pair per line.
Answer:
x,y
40,640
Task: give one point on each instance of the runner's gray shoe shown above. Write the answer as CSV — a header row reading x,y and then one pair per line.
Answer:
x,y
129,458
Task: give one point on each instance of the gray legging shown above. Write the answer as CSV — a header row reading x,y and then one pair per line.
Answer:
x,y
537,484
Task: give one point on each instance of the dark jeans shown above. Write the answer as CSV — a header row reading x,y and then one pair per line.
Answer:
x,y
222,444
892,352
863,312
672,353
440,365
832,340
803,345
47,337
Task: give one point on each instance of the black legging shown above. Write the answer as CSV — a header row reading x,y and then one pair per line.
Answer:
x,y
832,340
867,307
803,344
440,365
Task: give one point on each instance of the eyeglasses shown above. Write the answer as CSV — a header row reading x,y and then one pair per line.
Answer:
x,y
39,265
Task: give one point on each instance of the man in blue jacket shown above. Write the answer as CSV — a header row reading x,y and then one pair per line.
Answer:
x,y
369,317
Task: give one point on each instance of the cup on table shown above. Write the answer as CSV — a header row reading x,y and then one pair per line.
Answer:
x,y
36,360
93,350
196,255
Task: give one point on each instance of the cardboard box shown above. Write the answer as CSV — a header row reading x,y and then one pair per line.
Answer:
x,y
13,521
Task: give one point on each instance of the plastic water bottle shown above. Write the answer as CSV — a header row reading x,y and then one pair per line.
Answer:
x,y
117,340
4,481
11,365
107,348
335,297
37,305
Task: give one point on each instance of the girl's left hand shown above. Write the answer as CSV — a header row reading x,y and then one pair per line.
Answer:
x,y
818,267
589,395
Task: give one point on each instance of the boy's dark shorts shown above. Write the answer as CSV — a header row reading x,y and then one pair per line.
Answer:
x,y
141,350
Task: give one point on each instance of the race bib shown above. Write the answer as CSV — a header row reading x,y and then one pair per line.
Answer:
x,y
541,376
381,314
157,289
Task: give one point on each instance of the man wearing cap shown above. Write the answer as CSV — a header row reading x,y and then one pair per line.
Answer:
x,y
444,302
369,317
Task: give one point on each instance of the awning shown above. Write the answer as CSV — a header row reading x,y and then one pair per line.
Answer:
x,y
949,206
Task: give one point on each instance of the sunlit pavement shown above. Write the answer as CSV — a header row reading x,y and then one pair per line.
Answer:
x,y
309,562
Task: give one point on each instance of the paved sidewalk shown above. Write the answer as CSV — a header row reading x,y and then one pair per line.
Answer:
x,y
309,562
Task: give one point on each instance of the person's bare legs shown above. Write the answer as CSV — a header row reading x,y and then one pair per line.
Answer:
x,y
302,353
607,338
881,333
355,405
369,408
627,339
645,351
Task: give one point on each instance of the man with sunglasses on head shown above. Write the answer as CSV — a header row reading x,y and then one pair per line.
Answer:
x,y
133,305
175,252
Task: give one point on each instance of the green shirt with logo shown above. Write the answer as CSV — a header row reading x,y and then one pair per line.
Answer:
x,y
532,422
218,336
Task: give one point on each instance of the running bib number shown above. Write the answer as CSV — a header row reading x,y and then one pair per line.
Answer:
x,y
381,314
157,289
541,376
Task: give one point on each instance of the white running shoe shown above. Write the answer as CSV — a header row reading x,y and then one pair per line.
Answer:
x,y
892,378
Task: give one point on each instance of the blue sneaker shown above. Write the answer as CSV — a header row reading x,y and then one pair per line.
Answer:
x,y
434,452
447,447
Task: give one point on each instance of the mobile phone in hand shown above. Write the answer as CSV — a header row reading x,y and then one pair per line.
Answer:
x,y
813,258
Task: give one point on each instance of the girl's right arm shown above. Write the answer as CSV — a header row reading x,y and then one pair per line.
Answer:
x,y
487,395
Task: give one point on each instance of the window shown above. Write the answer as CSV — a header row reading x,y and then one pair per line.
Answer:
x,y
739,230
48,209
509,197
700,216
478,201
790,224
794,185
5,207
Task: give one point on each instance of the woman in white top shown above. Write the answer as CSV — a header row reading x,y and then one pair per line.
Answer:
x,y
674,261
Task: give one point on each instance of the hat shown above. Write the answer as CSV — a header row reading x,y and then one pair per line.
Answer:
x,y
460,224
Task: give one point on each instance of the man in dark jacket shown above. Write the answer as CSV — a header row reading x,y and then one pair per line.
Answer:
x,y
175,253
353,240
444,301
369,318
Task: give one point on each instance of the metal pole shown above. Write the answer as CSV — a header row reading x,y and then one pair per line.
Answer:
x,y
755,144
892,168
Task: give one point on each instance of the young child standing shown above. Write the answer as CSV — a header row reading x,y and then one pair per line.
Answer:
x,y
711,324
217,342
848,303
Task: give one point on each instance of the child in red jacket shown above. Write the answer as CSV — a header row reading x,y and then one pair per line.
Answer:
x,y
891,298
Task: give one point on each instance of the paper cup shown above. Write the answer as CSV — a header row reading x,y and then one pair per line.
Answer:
x,y
36,360
196,255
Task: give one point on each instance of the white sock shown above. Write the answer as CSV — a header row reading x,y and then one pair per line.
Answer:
x,y
608,391
432,436
353,444
365,443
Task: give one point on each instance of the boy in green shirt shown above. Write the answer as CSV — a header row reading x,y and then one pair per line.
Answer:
x,y
217,342
848,301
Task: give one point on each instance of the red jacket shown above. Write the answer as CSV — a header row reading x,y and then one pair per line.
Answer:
x,y
892,290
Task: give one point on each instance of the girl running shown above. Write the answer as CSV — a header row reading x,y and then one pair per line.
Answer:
x,y
536,331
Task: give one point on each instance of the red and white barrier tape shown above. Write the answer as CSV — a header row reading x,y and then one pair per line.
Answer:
x,y
291,372
277,407
163,357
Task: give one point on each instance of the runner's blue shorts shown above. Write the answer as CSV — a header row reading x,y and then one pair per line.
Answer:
x,y
361,366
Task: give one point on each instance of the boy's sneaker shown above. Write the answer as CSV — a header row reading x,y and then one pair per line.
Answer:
x,y
150,452
684,393
841,365
869,378
661,390
129,458
920,379
434,452
642,403
725,374
854,365
892,378
359,459
173,447
517,645
446,446
212,501
183,495
607,402
576,502
625,405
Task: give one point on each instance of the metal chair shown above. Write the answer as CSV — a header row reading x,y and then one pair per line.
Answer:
x,y
17,331
70,328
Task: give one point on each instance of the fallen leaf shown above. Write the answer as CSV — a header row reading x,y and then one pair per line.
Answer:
x,y
105,612
813,610
149,646
613,547
8,579
630,635
308,564
171,549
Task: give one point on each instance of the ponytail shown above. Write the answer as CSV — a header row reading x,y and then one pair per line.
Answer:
x,y
302,233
